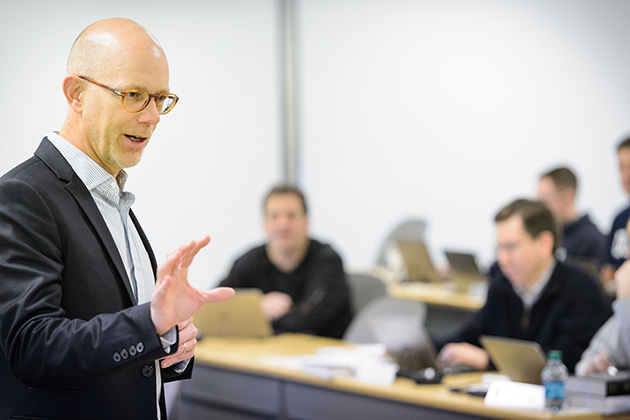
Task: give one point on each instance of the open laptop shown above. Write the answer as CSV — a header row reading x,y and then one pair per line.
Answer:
x,y
521,360
417,261
240,316
464,270
408,342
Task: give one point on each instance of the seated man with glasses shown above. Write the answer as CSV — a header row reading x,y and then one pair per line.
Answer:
x,y
532,296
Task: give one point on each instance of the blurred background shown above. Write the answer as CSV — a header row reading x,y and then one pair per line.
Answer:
x,y
437,109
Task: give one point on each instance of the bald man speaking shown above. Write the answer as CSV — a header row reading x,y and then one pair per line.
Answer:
x,y
90,326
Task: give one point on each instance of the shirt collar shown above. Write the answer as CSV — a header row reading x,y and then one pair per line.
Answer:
x,y
529,297
91,173
97,180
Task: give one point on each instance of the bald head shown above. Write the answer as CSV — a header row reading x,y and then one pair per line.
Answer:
x,y
109,57
107,45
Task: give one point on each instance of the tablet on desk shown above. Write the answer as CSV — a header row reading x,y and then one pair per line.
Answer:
x,y
240,316
521,360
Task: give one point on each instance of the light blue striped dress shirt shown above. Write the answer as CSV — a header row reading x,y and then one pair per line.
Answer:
x,y
114,203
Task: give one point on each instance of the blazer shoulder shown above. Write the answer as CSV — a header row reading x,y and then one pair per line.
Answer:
x,y
46,156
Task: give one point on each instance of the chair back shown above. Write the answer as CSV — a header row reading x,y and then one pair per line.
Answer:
x,y
408,230
364,288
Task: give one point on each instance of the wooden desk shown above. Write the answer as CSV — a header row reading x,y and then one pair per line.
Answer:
x,y
435,294
231,381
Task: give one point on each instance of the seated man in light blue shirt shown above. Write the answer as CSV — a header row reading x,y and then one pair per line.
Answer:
x,y
609,349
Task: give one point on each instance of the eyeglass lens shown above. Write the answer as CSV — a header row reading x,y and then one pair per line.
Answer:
x,y
135,101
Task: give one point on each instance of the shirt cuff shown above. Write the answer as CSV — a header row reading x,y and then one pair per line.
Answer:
x,y
168,339
180,367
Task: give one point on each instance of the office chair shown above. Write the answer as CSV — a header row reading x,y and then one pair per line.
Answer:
x,y
364,288
409,230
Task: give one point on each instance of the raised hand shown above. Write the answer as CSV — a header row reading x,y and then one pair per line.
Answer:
x,y
174,300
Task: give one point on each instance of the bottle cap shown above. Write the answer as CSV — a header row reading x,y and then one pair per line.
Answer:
x,y
555,354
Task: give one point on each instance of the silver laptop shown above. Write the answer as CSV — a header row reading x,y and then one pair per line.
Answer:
x,y
521,360
411,346
240,316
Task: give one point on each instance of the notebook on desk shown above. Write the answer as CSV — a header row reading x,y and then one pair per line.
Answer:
x,y
415,256
464,270
240,316
521,360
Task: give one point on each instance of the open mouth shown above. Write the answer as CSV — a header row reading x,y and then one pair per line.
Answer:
x,y
136,139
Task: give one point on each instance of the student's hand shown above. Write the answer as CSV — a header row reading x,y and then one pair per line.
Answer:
x,y
187,338
622,280
174,300
276,305
463,353
607,275
598,364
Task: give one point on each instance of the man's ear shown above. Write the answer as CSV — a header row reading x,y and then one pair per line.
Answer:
x,y
546,240
568,195
72,89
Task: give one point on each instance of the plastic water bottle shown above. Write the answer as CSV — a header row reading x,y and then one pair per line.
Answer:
x,y
554,377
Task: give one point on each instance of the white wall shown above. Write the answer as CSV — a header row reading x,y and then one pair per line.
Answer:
x,y
444,109
211,159
449,109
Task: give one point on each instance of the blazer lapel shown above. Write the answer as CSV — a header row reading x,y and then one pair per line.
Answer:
x,y
56,162
145,242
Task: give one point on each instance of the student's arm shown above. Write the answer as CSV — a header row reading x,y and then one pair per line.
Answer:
x,y
326,294
584,312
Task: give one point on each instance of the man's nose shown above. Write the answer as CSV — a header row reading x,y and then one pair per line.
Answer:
x,y
150,113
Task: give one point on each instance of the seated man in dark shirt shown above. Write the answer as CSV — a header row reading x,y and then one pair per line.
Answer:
x,y
303,280
582,242
531,295
617,244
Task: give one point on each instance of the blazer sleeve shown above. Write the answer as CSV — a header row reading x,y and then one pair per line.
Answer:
x,y
43,246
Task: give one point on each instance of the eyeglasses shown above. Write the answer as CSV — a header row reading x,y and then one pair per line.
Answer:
x,y
508,247
136,100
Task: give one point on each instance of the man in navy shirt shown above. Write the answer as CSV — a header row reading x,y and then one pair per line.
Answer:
x,y
582,242
617,249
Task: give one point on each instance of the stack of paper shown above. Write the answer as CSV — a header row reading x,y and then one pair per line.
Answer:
x,y
367,363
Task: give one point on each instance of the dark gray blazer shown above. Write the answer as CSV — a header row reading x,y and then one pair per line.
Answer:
x,y
73,342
